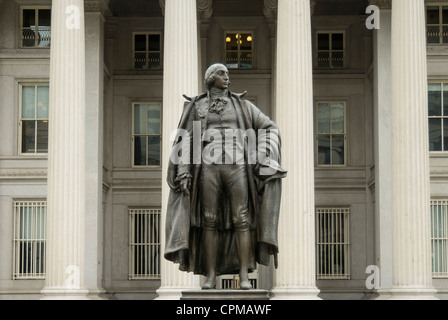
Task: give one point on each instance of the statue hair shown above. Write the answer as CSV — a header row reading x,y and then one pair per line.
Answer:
x,y
209,77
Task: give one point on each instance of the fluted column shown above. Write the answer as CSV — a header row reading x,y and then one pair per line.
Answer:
x,y
382,100
295,276
410,153
66,163
180,76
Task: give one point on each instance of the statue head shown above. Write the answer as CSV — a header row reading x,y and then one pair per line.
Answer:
x,y
210,74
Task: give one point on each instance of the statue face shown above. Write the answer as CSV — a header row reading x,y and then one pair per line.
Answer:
x,y
221,78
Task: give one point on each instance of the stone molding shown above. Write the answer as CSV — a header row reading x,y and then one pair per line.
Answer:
x,y
382,4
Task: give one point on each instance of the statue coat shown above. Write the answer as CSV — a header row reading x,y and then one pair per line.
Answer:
x,y
183,229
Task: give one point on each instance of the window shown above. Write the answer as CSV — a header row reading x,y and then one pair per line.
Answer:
x,y
144,244
332,243
34,118
438,116
35,27
437,24
239,50
330,49
331,133
439,238
29,239
147,50
147,134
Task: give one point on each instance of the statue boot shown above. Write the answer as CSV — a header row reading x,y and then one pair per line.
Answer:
x,y
210,247
243,241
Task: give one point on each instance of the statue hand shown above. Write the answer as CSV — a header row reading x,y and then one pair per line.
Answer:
x,y
185,185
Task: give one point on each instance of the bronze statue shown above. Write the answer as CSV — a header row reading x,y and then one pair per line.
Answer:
x,y
225,179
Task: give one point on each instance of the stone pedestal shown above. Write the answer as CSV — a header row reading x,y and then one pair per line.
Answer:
x,y
225,295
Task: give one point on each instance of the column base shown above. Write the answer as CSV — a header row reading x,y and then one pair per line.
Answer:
x,y
413,294
169,293
64,294
297,293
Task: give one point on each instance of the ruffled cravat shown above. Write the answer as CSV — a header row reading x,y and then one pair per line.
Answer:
x,y
218,100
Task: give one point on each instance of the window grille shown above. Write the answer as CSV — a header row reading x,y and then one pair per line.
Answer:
x,y
438,116
239,50
35,27
34,110
437,24
231,282
144,244
146,136
29,239
147,50
330,49
332,243
331,133
439,238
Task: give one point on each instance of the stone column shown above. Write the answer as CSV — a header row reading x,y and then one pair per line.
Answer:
x,y
295,277
180,76
410,154
94,25
382,100
65,248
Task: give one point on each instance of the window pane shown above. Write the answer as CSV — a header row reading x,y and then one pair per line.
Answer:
x,y
246,60
154,42
154,60
445,15
445,134
432,14
337,149
445,100
42,102
246,41
42,136
337,118
337,59
323,41
140,120
44,18
154,151
435,135
337,41
154,119
140,60
28,136
140,151
434,99
323,149
231,41
323,118
28,102
432,34
29,18
232,60
323,59
140,42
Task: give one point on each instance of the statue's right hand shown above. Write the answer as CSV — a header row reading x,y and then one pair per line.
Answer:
x,y
185,185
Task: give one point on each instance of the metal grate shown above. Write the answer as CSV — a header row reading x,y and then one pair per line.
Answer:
x,y
144,244
439,238
233,282
332,243
29,239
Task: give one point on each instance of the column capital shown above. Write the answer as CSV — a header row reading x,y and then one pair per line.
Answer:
x,y
382,4
270,8
101,6
204,8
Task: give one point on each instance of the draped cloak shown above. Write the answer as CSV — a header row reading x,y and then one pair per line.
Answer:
x,y
183,228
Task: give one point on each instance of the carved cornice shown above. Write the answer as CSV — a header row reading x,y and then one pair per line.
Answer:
x,y
382,4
